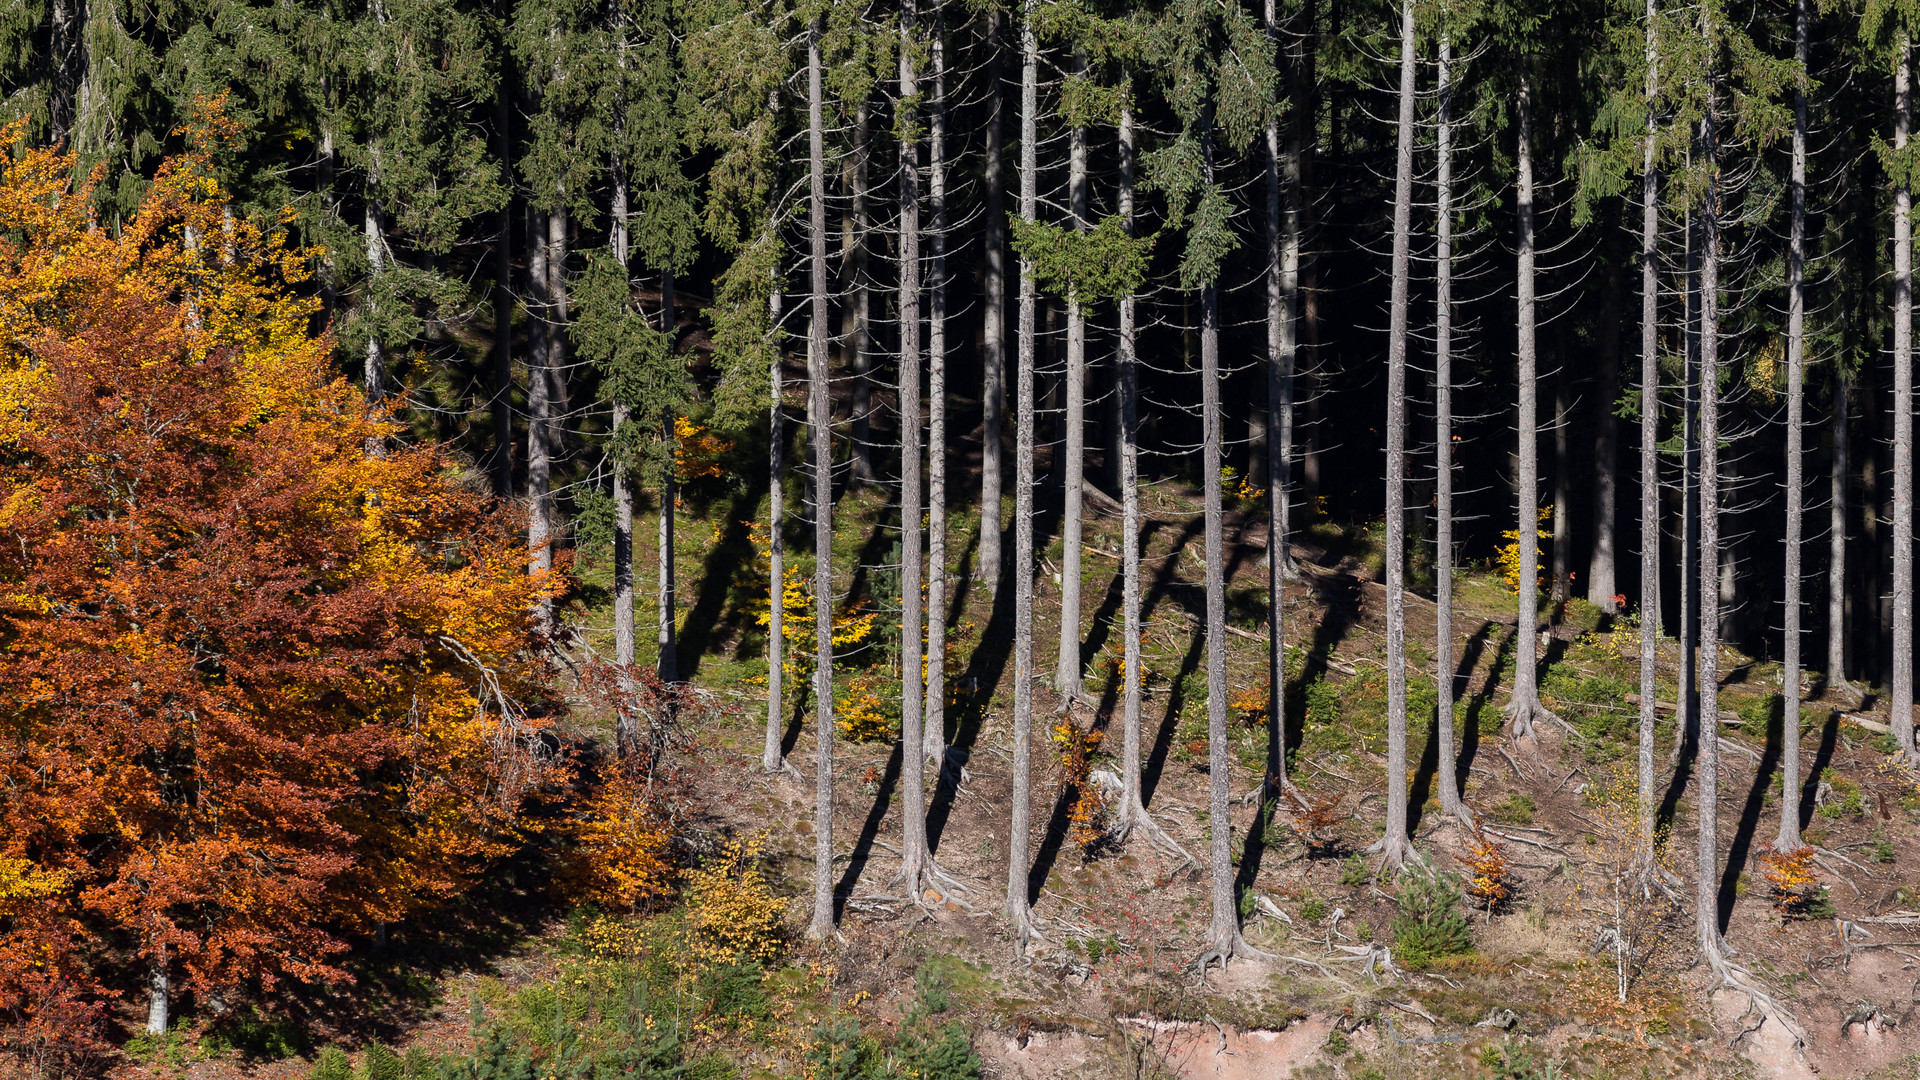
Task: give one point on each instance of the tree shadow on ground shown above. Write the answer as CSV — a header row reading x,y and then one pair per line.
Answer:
x,y
723,561
869,831
1829,735
1750,814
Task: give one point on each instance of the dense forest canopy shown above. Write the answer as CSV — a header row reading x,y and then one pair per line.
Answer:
x,y
362,361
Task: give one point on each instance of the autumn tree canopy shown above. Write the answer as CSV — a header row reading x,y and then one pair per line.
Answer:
x,y
256,681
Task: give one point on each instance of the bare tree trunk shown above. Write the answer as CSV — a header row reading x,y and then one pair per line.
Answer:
x,y
915,860
669,665
1019,911
374,377
501,381
1133,810
1524,707
539,413
626,725
1066,676
1283,286
859,314
1562,480
935,729
1707,772
771,759
993,348
1837,538
1602,584
1788,837
1649,443
66,27
818,421
1448,771
1394,846
159,994
1902,696
1018,908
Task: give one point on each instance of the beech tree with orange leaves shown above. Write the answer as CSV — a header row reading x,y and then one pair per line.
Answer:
x,y
256,686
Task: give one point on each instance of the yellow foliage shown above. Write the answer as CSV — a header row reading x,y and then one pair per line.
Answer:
x,y
861,715
1486,865
621,846
697,451
851,626
732,913
1510,554
21,883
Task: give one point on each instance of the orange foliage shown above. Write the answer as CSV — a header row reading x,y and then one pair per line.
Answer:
x,y
1790,875
1086,821
1486,866
256,683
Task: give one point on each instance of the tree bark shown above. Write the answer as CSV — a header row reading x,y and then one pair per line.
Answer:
x,y
936,288
1019,911
858,327
668,666
1562,481
66,26
1902,696
1448,771
1524,707
771,758
1837,537
993,349
1707,765
501,375
1601,562
623,626
1788,837
1649,443
1066,676
374,377
914,858
159,994
1394,846
539,412
1283,282
818,420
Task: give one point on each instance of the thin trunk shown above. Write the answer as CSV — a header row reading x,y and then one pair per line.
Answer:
x,y
623,630
935,733
1788,838
1133,810
1394,846
1902,696
771,758
1707,772
1837,538
664,606
539,410
1448,772
914,857
1066,676
993,349
66,27
859,314
1019,911
501,388
1689,696
1562,482
1524,707
1283,279
375,375
818,420
1602,584
1649,444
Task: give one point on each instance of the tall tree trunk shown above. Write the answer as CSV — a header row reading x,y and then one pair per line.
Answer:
x,y
993,348
539,412
1066,676
627,726
1224,941
914,858
1788,837
501,388
1283,281
1562,481
1448,771
1902,696
1019,911
1133,810
935,732
1837,537
66,26
819,419
374,377
857,330
1394,846
1524,708
664,606
1602,580
1649,443
1707,772
771,759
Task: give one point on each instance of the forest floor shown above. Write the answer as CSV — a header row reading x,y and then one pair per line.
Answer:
x,y
1110,986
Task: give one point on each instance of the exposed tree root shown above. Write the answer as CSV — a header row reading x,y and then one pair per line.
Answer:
x,y
1760,1004
1395,853
1138,819
1227,947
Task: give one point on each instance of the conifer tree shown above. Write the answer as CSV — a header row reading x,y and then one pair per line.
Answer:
x,y
1019,905
934,729
819,437
1788,838
1448,772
